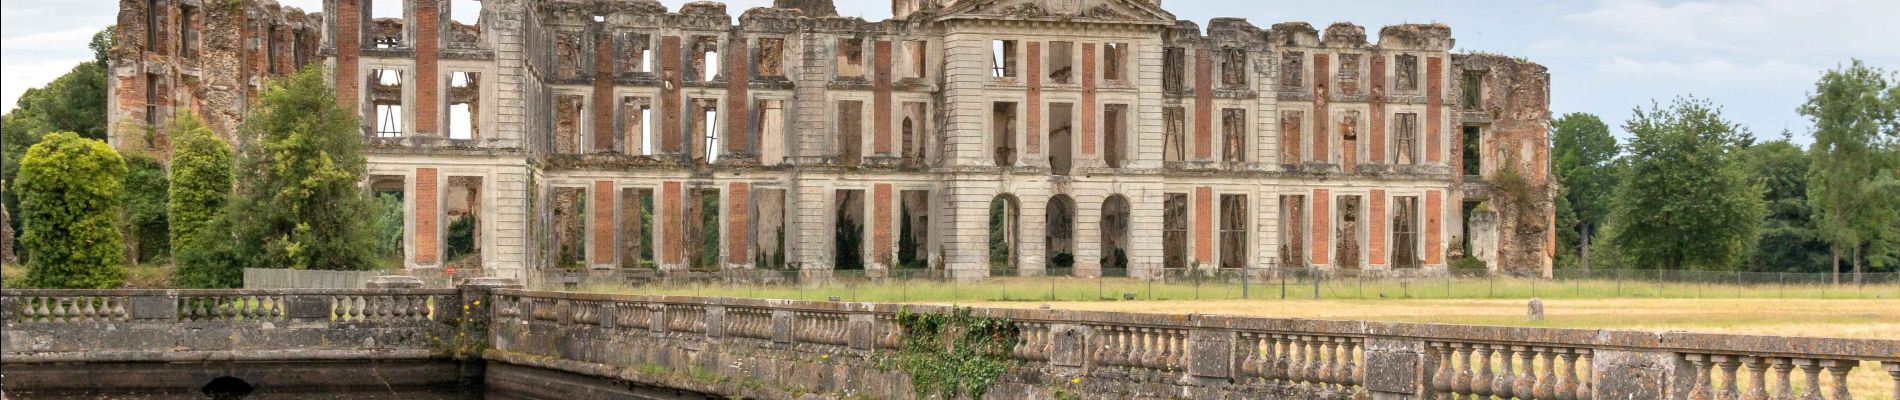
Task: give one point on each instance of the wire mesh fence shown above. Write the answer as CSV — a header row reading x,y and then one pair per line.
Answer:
x,y
905,285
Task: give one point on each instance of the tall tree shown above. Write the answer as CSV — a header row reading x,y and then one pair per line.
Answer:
x,y
297,203
200,188
1789,242
1850,106
1683,202
69,203
1584,156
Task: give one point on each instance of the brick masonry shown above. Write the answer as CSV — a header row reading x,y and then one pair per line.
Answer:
x,y
428,199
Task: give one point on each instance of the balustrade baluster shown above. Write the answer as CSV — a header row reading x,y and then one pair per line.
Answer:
x,y
1811,369
1784,385
1461,384
1275,366
1336,362
1757,378
1586,384
1727,388
59,310
1893,370
1481,383
1567,383
1355,374
1441,380
1547,383
1839,369
90,312
1323,360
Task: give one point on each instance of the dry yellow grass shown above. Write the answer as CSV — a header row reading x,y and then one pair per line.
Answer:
x,y
1860,319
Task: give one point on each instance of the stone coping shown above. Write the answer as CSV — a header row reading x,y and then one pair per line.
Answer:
x,y
217,292
1676,341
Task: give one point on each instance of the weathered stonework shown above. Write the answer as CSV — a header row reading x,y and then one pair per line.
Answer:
x,y
1057,108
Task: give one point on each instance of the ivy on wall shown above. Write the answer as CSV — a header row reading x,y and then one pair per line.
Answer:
x,y
955,354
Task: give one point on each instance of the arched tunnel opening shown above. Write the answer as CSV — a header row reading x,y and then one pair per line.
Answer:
x,y
227,388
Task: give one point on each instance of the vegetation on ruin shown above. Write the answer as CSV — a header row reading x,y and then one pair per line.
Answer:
x,y
954,354
200,188
69,190
146,224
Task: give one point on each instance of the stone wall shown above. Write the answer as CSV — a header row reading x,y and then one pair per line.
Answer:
x,y
175,341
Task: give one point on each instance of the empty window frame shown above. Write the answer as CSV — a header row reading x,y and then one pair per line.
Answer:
x,y
1405,232
1473,156
850,57
570,53
1173,69
1061,62
1474,90
771,130
1292,127
1114,236
570,235
1233,68
1003,132
1174,231
848,235
1292,69
569,123
1405,71
1174,133
1061,137
636,125
152,19
151,100
386,102
188,32
464,99
705,123
465,12
1233,231
636,228
1003,234
1059,242
702,229
631,52
1233,125
463,238
850,132
705,58
913,231
768,244
1405,138
1348,147
1293,231
1349,73
1115,134
1114,62
1003,58
916,59
771,58
914,129
1349,232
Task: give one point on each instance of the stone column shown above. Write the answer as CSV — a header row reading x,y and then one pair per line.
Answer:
x,y
1393,368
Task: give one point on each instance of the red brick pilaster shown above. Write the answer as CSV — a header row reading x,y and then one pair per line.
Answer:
x,y
1203,104
1032,130
671,201
881,99
738,107
602,209
1322,227
428,30
1377,118
1088,100
1434,107
1204,225
426,236
881,223
1434,226
1322,142
349,43
670,110
738,223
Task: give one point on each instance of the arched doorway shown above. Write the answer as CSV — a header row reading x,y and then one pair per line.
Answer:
x,y
1059,244
1115,213
1003,214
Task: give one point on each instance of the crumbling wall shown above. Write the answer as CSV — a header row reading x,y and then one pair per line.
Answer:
x,y
1516,105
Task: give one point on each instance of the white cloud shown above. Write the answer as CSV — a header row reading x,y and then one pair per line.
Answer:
x,y
1708,70
23,75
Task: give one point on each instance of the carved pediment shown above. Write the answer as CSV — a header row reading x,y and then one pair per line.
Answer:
x,y
1130,11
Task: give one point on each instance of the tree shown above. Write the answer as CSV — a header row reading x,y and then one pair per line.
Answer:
x,y
102,43
1583,154
1789,242
200,188
1849,108
1682,201
144,204
69,203
297,204
74,102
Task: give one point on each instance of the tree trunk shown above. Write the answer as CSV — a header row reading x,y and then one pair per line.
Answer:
x,y
1837,265
1586,249
1857,257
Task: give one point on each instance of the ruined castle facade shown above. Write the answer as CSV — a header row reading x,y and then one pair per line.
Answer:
x,y
1086,137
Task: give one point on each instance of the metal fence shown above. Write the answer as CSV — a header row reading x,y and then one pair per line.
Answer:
x,y
1216,284
261,278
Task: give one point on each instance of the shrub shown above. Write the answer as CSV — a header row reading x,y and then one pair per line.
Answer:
x,y
69,204
200,188
297,203
144,197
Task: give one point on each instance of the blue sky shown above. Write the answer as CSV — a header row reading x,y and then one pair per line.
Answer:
x,y
1756,58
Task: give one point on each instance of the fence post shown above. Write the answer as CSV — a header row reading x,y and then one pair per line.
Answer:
x,y
1243,281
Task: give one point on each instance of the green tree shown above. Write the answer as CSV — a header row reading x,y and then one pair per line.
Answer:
x,y
1850,106
144,203
1789,242
200,188
74,102
1583,154
102,43
297,203
69,203
1683,202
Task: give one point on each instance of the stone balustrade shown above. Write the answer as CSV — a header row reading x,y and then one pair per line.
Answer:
x,y
758,348
774,348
